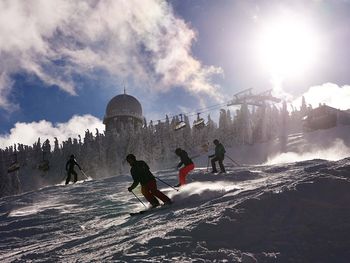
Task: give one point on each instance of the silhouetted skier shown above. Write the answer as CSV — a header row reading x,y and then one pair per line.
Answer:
x,y
70,169
142,175
218,156
188,165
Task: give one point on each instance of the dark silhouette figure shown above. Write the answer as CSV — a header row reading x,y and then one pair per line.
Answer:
x,y
142,175
70,169
219,156
188,165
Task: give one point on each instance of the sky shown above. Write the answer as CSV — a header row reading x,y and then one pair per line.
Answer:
x,y
61,61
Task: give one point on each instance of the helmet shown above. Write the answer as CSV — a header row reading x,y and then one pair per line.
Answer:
x,y
216,141
72,156
178,150
130,157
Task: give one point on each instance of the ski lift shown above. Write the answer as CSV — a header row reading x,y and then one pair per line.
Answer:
x,y
14,165
180,124
247,97
199,123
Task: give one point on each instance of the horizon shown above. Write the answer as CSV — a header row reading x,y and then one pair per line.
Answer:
x,y
78,125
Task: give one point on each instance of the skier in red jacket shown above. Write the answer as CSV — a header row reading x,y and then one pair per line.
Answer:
x,y
142,175
188,165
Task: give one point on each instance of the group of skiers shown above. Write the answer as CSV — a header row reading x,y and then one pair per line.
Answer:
x,y
142,175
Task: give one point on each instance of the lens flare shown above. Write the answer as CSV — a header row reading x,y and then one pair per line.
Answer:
x,y
287,47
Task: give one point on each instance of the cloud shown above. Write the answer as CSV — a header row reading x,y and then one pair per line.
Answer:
x,y
5,87
139,40
28,133
329,93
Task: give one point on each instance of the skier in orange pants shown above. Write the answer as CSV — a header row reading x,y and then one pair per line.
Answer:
x,y
189,166
142,175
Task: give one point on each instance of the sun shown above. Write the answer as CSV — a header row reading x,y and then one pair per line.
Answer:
x,y
287,46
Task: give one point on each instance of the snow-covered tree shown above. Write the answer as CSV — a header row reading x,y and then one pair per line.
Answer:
x,y
103,155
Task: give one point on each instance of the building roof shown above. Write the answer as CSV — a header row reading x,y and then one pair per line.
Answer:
x,y
123,105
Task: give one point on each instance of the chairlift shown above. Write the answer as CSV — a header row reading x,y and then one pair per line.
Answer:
x,y
241,97
247,97
180,124
199,123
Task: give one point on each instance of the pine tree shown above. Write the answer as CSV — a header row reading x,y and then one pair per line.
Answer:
x,y
303,108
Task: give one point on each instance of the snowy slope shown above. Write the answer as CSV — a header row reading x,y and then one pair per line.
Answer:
x,y
330,144
295,212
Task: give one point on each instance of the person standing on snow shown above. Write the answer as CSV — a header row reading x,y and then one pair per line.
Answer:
x,y
70,169
218,156
188,165
142,175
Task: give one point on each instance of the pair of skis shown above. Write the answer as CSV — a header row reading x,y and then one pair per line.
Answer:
x,y
149,210
138,213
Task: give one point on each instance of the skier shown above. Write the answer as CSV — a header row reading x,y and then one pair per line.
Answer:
x,y
70,169
218,156
188,165
141,174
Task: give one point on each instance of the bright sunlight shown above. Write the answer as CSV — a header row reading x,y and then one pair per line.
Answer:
x,y
287,47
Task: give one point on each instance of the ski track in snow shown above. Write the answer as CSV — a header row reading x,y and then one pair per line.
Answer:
x,y
268,213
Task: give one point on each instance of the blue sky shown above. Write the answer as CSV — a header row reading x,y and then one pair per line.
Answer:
x,y
64,60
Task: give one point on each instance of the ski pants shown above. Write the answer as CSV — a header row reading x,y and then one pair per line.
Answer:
x,y
70,172
150,192
184,172
220,160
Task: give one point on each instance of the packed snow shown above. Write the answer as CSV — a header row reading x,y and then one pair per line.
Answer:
x,y
291,212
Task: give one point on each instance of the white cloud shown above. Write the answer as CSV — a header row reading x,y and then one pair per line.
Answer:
x,y
329,93
141,40
5,87
28,133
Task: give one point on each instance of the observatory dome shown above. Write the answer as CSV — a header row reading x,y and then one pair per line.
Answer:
x,y
124,105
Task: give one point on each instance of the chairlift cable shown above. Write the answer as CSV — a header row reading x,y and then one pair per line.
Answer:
x,y
209,108
194,113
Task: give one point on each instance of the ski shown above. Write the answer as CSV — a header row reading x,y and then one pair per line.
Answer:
x,y
138,213
149,210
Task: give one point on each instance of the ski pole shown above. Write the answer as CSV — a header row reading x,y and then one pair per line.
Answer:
x,y
195,156
84,174
138,199
166,183
208,165
65,176
234,162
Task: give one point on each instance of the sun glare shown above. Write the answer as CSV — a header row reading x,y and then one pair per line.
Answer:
x,y
287,47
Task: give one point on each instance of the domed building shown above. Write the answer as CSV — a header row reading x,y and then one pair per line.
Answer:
x,y
122,111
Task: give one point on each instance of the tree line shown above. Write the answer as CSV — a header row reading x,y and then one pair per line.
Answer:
x,y
102,155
